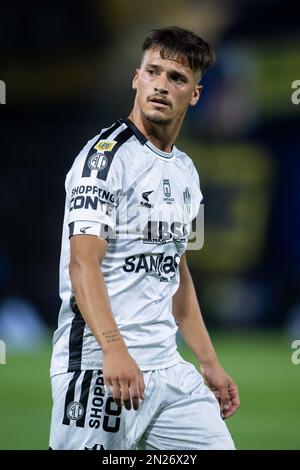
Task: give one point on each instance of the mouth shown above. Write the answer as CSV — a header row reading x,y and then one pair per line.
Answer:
x,y
160,102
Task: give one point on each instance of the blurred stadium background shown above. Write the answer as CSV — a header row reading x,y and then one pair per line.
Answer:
x,y
67,68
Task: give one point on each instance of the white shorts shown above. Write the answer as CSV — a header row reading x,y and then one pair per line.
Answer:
x,y
179,412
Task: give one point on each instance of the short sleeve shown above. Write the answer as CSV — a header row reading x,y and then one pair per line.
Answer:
x,y
93,187
197,196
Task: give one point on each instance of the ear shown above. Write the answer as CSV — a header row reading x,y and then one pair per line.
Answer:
x,y
196,95
135,79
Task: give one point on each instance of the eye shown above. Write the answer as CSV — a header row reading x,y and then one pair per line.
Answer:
x,y
178,79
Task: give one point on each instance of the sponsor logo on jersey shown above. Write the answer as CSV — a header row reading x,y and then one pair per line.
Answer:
x,y
161,232
164,266
92,197
167,191
75,410
147,204
98,161
88,202
105,145
101,193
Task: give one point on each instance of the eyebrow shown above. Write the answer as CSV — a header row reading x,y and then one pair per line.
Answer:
x,y
174,72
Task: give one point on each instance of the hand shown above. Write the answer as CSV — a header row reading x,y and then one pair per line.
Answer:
x,y
122,374
224,388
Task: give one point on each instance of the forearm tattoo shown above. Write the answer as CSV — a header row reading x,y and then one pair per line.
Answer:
x,y
111,335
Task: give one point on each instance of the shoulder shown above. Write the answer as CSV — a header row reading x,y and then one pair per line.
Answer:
x,y
109,159
193,178
109,140
101,150
186,162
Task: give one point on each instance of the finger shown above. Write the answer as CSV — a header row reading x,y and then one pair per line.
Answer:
x,y
234,400
141,384
228,413
116,392
233,392
224,399
135,394
125,394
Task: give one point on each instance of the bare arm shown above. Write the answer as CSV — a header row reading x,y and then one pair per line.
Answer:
x,y
119,369
187,313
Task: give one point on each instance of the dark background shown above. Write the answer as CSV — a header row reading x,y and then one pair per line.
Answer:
x,y
67,69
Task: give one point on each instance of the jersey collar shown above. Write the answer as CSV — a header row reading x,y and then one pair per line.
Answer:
x,y
142,139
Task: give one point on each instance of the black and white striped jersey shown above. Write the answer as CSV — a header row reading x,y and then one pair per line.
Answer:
x,y
142,200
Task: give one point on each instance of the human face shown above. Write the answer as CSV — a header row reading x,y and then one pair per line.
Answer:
x,y
164,88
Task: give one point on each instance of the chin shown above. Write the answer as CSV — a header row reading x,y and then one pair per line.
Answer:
x,y
157,118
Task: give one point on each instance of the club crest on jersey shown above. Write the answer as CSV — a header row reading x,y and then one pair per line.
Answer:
x,y
167,188
187,199
98,161
105,145
167,191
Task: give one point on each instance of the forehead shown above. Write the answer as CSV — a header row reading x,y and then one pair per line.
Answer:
x,y
180,64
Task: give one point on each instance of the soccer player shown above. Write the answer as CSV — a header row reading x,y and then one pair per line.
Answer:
x,y
118,381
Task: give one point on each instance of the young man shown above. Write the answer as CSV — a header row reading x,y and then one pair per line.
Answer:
x,y
118,381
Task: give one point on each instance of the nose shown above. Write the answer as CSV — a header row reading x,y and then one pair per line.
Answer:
x,y
161,85
162,91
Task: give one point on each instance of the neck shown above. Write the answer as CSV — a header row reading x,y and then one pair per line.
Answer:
x,y
162,136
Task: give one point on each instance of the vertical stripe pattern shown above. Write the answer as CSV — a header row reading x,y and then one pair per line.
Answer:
x,y
104,135
120,139
71,229
70,396
76,338
84,396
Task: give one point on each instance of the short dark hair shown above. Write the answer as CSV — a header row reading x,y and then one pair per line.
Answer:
x,y
177,42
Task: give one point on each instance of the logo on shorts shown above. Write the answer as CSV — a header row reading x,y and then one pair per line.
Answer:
x,y
75,410
98,161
